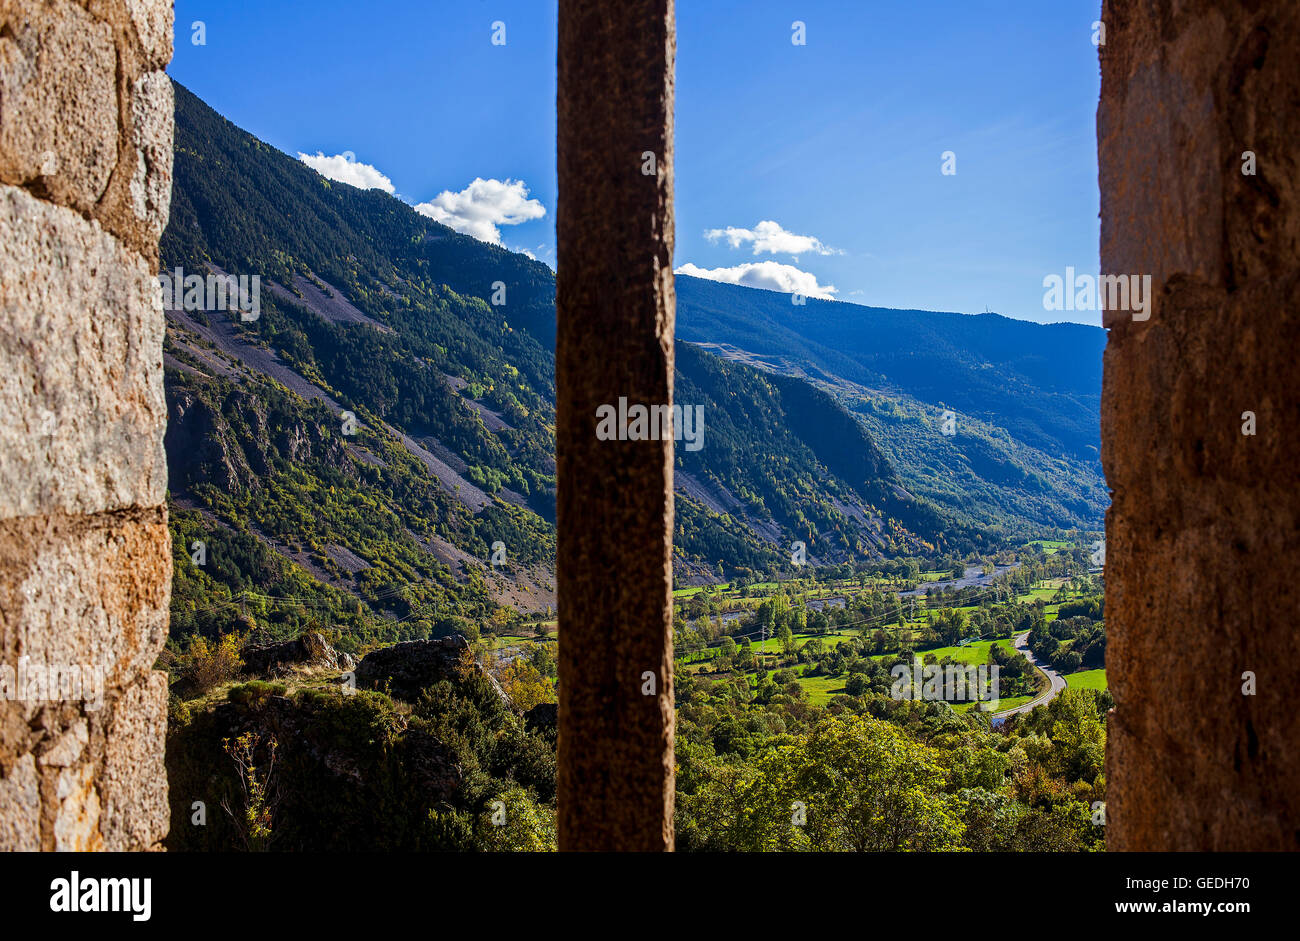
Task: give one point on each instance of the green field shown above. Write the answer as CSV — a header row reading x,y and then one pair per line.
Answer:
x,y
1003,704
820,689
1087,679
685,592
1050,546
975,653
507,640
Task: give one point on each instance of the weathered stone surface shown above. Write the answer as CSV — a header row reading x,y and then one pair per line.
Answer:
x,y
309,650
99,777
135,778
85,557
153,110
1203,548
616,307
77,811
86,110
58,101
20,808
85,592
152,20
68,748
81,331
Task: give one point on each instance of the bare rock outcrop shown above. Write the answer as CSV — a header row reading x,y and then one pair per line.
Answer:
x,y
309,650
407,668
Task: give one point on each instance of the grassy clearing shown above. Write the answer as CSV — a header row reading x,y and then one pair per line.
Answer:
x,y
975,653
1050,546
1086,679
820,689
1010,702
686,592
497,641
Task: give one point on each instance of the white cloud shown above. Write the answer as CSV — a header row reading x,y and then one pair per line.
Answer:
x,y
482,206
770,275
768,236
345,169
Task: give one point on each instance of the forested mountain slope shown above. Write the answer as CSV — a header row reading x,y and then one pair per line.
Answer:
x,y
1040,382
351,457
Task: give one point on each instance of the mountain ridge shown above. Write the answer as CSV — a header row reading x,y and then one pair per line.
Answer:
x,y
373,310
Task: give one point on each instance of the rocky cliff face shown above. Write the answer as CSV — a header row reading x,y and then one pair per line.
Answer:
x,y
341,765
85,569
228,440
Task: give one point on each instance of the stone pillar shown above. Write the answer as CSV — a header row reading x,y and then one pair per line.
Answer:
x,y
85,560
616,308
1203,550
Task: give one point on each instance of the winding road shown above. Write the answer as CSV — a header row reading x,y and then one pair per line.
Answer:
x,y
1057,681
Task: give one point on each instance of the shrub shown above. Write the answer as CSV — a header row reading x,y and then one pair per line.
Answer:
x,y
255,693
210,664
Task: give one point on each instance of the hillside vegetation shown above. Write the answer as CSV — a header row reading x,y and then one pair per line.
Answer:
x,y
373,311
371,461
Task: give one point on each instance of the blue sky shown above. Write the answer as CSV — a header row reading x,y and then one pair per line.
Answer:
x,y
816,165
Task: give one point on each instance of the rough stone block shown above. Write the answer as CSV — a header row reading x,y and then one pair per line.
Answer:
x,y
77,811
153,110
1203,532
152,20
86,117
84,594
136,814
20,808
58,101
81,332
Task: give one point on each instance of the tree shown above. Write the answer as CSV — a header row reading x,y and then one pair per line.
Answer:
x,y
874,788
785,637
950,626
851,784
515,823
211,664
524,683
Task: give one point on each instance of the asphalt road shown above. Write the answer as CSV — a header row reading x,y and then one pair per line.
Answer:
x,y
1058,681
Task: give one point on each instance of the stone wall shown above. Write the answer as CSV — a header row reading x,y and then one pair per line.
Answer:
x,y
85,560
1203,549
